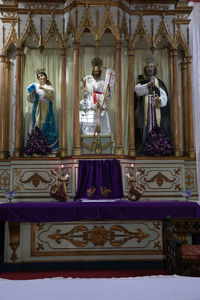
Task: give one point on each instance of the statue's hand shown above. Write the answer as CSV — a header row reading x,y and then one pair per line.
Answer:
x,y
83,82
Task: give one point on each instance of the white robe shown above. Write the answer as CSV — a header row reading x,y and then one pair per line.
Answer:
x,y
45,95
88,115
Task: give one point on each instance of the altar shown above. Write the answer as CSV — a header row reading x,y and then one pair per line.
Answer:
x,y
61,41
90,231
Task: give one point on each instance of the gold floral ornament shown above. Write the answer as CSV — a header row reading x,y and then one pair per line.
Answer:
x,y
105,191
91,191
98,236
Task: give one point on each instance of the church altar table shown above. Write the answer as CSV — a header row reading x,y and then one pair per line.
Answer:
x,y
92,230
77,210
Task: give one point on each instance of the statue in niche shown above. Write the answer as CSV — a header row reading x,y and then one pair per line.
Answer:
x,y
96,94
43,138
152,115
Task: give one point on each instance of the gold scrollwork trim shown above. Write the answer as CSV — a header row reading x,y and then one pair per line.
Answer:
x,y
159,178
80,236
35,179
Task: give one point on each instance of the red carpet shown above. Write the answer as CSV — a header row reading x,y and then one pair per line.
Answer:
x,y
80,274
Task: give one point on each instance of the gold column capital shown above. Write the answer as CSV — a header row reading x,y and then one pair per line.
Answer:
x,y
63,51
174,52
189,59
76,45
3,58
118,44
130,51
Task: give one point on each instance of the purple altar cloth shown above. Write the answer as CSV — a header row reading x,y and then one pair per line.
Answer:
x,y
76,211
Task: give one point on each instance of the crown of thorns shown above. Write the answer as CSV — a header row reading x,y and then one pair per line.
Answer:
x,y
97,62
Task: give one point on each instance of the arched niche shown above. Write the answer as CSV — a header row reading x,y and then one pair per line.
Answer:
x,y
89,48
41,56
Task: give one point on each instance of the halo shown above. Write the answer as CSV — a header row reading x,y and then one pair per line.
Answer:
x,y
97,62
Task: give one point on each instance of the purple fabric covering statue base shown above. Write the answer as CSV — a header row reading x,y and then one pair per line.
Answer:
x,y
99,179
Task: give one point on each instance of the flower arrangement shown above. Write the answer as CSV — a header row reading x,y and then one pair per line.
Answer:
x,y
37,143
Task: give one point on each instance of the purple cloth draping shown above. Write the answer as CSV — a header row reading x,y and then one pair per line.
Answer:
x,y
99,179
77,211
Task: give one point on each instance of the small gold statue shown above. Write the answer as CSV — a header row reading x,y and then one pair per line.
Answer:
x,y
59,190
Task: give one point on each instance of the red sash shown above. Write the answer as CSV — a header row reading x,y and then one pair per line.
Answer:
x,y
95,96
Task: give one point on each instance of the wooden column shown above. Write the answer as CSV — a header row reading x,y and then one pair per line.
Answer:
x,y
18,109
63,134
131,133
118,143
7,104
76,146
3,98
190,150
175,105
185,105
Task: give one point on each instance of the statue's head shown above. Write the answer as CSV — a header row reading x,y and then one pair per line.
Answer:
x,y
96,72
42,76
96,63
150,69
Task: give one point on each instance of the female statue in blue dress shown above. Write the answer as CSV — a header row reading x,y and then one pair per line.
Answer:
x,y
42,95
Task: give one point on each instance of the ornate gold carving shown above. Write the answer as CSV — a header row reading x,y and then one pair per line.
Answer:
x,y
116,232
74,236
177,171
141,171
157,224
108,25
30,30
9,17
178,187
152,6
180,40
157,245
117,236
182,3
11,39
52,30
86,24
98,235
70,27
40,226
163,32
159,178
124,28
4,180
141,32
40,247
17,188
14,238
17,172
35,179
9,2
41,5
189,178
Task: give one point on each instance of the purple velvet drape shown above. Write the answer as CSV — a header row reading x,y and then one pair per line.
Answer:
x,y
99,179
